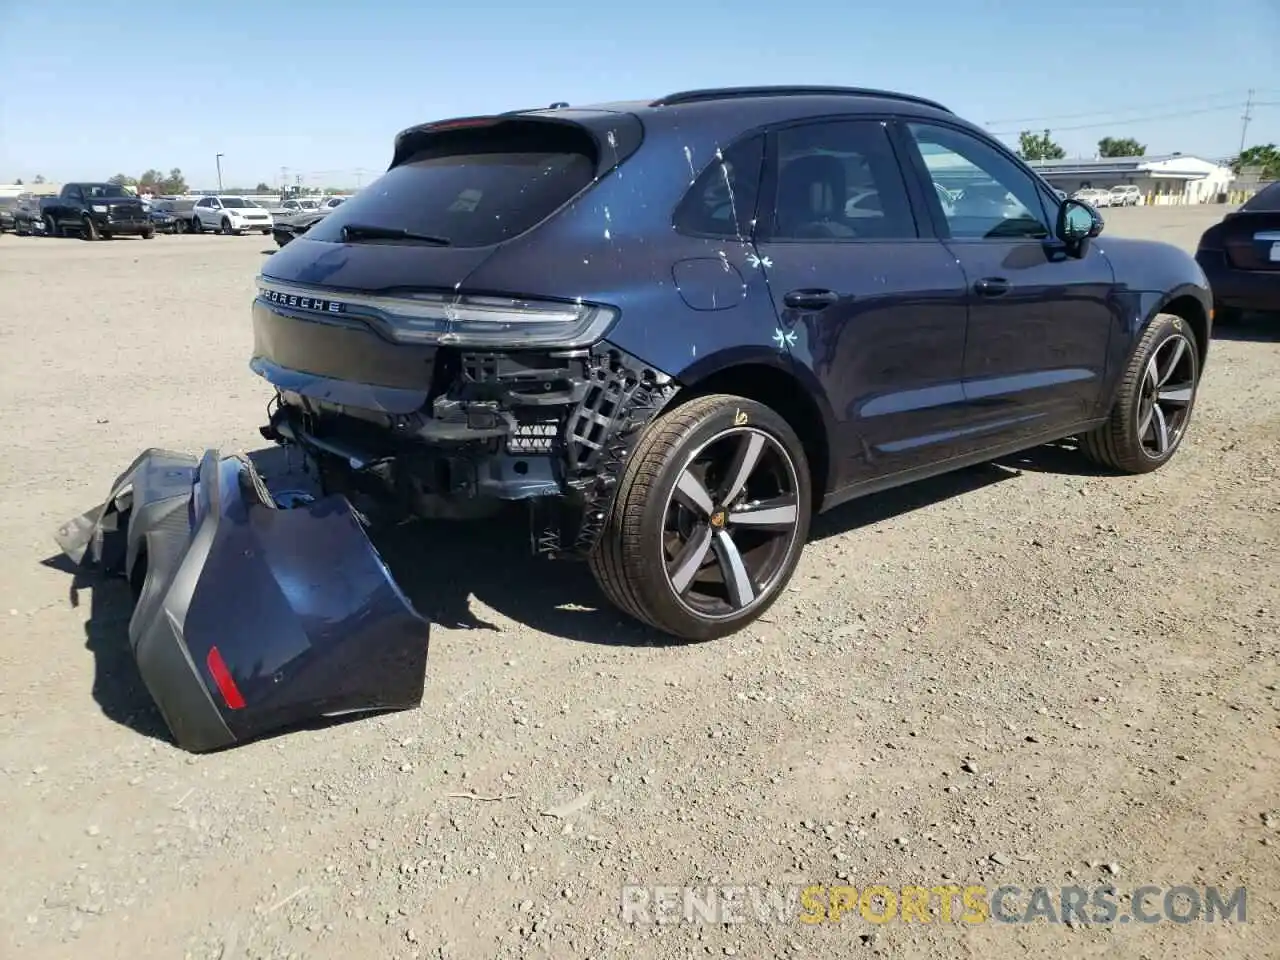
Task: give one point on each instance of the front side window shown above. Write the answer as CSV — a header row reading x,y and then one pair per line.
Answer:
x,y
722,200
839,180
994,199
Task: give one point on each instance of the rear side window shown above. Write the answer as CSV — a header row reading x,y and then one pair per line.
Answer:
x,y
473,187
1268,198
722,201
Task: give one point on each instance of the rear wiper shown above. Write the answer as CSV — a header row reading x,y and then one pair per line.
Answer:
x,y
367,231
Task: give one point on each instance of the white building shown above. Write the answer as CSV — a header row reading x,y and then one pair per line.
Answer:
x,y
1170,179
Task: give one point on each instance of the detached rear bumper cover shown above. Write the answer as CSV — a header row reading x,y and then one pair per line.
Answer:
x,y
249,617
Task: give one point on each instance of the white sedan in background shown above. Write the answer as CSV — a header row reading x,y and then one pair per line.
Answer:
x,y
1093,196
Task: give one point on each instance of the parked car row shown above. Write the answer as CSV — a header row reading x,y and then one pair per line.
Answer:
x,y
1124,195
100,211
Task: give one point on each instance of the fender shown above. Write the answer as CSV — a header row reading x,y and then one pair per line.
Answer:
x,y
1151,275
723,362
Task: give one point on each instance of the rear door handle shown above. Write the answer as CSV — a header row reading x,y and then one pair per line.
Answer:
x,y
810,299
991,287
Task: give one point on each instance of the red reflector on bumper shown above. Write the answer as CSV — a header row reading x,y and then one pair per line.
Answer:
x,y
222,677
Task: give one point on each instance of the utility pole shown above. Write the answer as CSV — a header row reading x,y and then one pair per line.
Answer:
x,y
1248,115
359,176
218,161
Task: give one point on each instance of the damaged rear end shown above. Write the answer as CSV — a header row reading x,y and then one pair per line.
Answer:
x,y
424,354
251,615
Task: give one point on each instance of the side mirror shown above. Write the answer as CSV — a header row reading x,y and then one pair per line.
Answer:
x,y
1077,221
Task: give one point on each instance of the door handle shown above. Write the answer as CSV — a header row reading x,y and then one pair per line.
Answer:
x,y
991,287
810,299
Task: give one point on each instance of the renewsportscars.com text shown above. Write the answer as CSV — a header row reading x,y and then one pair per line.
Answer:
x,y
942,903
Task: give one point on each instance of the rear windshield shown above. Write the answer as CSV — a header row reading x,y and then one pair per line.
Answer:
x,y
474,187
1268,198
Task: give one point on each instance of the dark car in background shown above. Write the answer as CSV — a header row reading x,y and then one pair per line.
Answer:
x,y
162,216
7,205
293,225
1241,257
677,329
28,220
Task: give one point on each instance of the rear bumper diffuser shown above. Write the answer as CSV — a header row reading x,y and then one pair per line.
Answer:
x,y
249,615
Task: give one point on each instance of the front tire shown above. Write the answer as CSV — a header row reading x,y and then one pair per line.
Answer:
x,y
148,234
711,514
89,229
1153,406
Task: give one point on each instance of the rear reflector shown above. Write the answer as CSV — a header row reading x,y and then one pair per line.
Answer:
x,y
222,677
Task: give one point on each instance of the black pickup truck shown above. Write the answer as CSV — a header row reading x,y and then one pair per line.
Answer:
x,y
97,211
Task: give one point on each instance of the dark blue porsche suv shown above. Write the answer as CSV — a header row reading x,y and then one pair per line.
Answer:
x,y
678,328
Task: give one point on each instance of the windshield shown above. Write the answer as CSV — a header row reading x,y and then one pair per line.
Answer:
x,y
235,203
473,188
104,190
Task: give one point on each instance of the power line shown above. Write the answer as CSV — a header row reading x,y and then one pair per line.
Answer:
x,y
1232,95
1123,122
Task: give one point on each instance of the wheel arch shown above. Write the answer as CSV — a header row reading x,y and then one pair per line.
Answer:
x,y
1187,302
778,382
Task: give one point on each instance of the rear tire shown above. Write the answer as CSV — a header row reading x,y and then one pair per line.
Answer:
x,y
695,545
1154,404
196,225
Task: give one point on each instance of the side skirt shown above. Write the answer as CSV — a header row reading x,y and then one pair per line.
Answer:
x,y
982,455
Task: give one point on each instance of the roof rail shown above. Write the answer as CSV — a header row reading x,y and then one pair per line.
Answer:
x,y
726,93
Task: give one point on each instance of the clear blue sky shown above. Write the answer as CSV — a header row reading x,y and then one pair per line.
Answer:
x,y
321,87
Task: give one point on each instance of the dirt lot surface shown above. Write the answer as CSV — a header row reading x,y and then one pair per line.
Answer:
x,y
1024,674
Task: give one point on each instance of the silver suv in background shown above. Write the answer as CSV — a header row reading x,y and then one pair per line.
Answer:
x,y
1125,195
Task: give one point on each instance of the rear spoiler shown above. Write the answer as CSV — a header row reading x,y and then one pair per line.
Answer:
x,y
615,135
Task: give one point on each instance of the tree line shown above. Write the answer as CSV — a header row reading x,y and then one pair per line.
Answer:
x,y
1041,146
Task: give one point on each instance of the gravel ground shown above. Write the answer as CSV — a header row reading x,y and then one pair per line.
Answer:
x,y
1024,673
